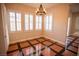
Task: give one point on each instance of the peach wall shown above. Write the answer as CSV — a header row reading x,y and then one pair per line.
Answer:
x,y
22,35
60,15
73,24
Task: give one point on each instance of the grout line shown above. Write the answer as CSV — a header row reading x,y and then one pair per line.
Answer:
x,y
49,47
20,50
72,42
59,45
12,51
31,44
71,51
25,47
54,50
51,44
75,43
74,46
60,53
37,50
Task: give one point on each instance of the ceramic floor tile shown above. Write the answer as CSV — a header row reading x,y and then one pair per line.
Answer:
x,y
68,53
47,43
50,40
12,47
60,45
15,53
74,44
34,42
56,48
39,46
41,40
24,44
48,52
27,51
73,49
76,41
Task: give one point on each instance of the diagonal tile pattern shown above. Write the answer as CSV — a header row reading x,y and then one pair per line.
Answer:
x,y
33,42
73,49
42,47
56,48
12,47
68,53
24,44
47,43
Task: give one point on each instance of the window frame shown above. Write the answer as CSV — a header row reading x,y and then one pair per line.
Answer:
x,y
15,21
29,22
38,22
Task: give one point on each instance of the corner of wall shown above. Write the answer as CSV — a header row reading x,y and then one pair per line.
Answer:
x,y
55,40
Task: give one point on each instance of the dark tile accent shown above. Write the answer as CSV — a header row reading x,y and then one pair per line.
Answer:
x,y
24,44
20,50
49,43
58,44
72,41
68,53
59,53
72,51
11,51
56,48
75,46
31,44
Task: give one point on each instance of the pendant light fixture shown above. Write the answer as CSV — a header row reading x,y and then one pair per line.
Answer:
x,y
40,11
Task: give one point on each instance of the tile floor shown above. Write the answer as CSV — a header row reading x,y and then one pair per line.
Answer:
x,y
41,47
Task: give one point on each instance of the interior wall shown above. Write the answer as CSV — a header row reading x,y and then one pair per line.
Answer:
x,y
5,27
22,35
60,15
2,38
73,23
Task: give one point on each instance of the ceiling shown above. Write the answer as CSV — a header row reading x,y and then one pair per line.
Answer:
x,y
36,5
74,7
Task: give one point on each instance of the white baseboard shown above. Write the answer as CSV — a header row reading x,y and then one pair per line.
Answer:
x,y
25,39
55,40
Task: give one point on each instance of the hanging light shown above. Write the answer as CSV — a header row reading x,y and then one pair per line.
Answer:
x,y
40,11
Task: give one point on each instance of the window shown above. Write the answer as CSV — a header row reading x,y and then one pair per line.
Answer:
x,y
15,21
12,21
38,22
48,22
28,22
31,22
18,21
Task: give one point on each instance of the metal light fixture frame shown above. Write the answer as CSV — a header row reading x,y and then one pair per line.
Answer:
x,y
41,11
